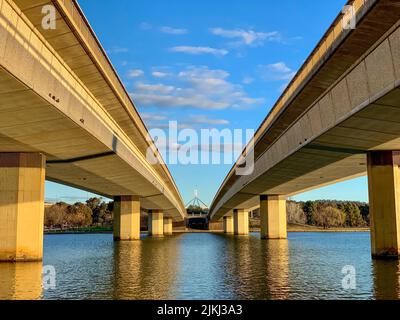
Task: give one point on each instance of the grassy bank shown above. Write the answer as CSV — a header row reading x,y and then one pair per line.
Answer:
x,y
290,228
308,228
79,230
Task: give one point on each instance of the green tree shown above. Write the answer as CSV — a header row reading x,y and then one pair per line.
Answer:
x,y
295,213
310,209
95,204
329,217
353,216
364,210
55,216
80,215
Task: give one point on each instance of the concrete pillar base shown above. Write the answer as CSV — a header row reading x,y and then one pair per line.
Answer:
x,y
228,225
273,217
22,178
240,222
156,223
384,200
168,227
126,218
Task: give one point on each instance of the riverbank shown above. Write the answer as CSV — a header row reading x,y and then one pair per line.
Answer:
x,y
89,230
290,228
307,228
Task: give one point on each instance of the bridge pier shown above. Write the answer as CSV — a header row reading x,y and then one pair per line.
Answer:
x,y
241,222
228,225
22,178
168,230
126,218
156,223
273,217
384,201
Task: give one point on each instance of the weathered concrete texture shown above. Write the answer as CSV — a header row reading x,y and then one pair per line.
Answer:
x,y
22,177
228,224
241,222
273,217
156,223
126,218
168,227
384,199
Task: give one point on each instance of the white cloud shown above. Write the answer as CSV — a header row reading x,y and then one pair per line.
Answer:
x,y
247,80
276,72
247,37
135,73
195,87
115,50
148,116
200,50
145,26
159,74
160,121
203,119
160,88
174,31
280,67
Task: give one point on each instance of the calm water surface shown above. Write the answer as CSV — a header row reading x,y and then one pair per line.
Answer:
x,y
204,266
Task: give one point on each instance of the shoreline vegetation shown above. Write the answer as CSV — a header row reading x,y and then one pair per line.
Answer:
x,y
291,228
96,216
299,228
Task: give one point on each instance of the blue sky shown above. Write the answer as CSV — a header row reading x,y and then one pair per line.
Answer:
x,y
208,64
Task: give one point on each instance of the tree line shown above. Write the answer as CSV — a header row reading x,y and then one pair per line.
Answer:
x,y
321,213
94,212
329,213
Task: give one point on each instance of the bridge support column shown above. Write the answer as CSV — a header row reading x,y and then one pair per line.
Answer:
x,y
168,227
228,224
126,218
384,201
156,223
22,178
273,217
241,222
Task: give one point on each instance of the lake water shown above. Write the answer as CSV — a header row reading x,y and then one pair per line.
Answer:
x,y
204,266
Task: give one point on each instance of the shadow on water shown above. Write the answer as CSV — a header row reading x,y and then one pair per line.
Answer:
x,y
386,275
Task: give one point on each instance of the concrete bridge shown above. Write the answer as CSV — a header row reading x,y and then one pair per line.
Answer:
x,y
66,117
339,118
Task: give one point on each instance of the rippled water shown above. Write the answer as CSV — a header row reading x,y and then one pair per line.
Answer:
x,y
204,266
